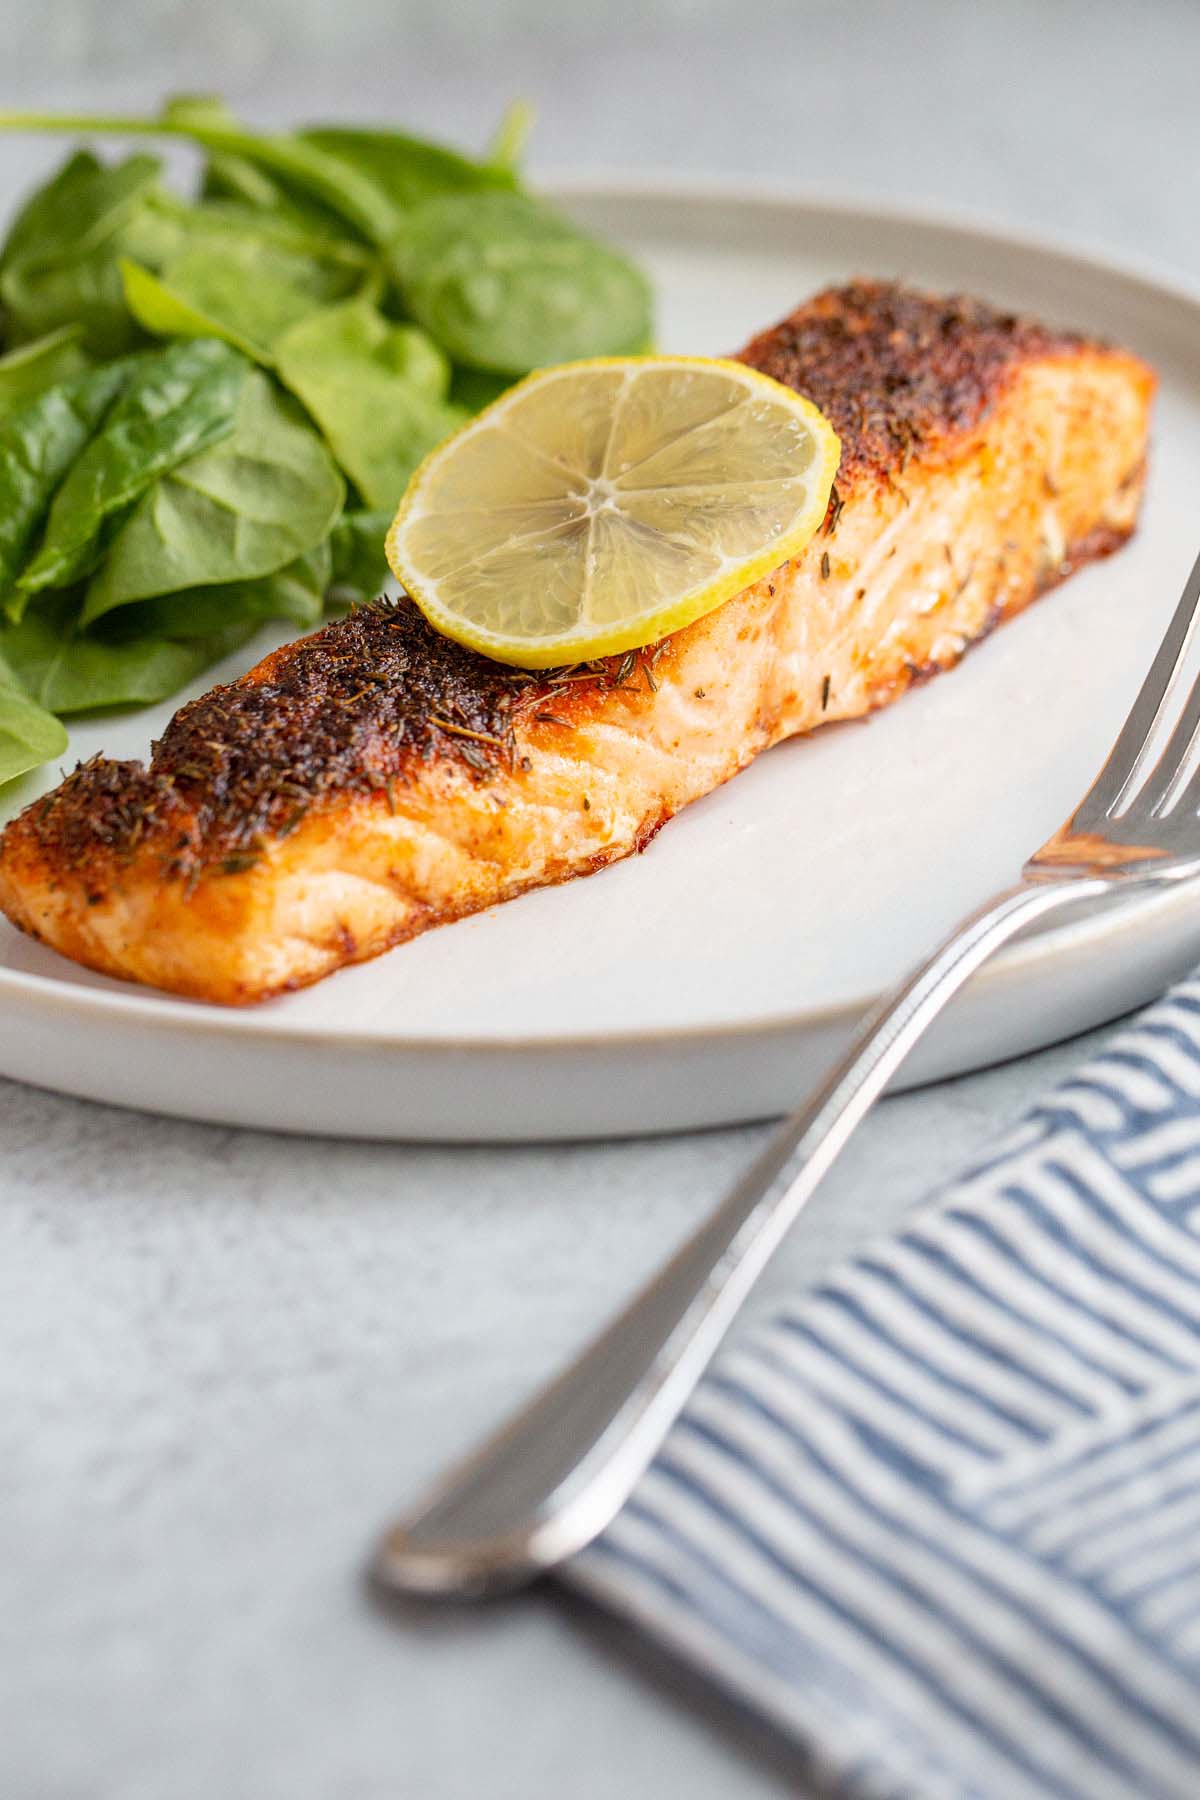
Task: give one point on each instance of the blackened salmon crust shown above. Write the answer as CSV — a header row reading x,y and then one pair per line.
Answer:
x,y
895,371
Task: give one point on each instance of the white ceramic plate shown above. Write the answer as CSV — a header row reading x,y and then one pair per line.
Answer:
x,y
710,979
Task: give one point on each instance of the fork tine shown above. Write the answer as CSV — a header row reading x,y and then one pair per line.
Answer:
x,y
1165,795
1184,807
1116,777
1162,791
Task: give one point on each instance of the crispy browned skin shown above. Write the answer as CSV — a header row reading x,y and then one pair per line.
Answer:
x,y
373,779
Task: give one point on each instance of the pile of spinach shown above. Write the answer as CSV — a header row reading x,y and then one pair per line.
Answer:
x,y
210,406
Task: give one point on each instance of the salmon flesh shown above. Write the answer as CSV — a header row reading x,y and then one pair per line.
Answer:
x,y
374,779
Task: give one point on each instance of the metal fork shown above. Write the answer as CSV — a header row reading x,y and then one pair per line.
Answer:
x,y
555,1476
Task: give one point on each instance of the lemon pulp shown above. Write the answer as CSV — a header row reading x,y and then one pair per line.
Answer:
x,y
601,505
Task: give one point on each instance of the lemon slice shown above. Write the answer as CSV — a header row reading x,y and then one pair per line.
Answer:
x,y
598,506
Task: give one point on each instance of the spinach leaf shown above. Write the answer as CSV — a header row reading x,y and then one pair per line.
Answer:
x,y
81,207
244,289
161,309
84,291
196,109
59,265
68,669
232,180
177,403
477,388
29,736
360,569
349,193
38,444
266,495
31,369
41,215
296,593
407,170
506,284
229,225
375,389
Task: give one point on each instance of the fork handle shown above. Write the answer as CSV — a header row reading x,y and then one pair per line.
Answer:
x,y
553,1477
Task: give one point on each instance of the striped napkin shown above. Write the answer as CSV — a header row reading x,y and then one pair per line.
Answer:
x,y
941,1521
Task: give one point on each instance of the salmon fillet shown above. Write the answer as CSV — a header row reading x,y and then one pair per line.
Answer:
x,y
373,780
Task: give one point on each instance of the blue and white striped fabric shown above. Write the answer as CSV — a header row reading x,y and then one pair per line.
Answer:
x,y
941,1522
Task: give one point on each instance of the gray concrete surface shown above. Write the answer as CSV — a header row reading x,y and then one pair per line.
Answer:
x,y
224,1357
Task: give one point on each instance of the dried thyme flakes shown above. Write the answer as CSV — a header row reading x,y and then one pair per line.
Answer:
x,y
348,710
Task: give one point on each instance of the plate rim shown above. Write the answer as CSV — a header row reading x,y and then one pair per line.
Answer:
x,y
924,215
1104,921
